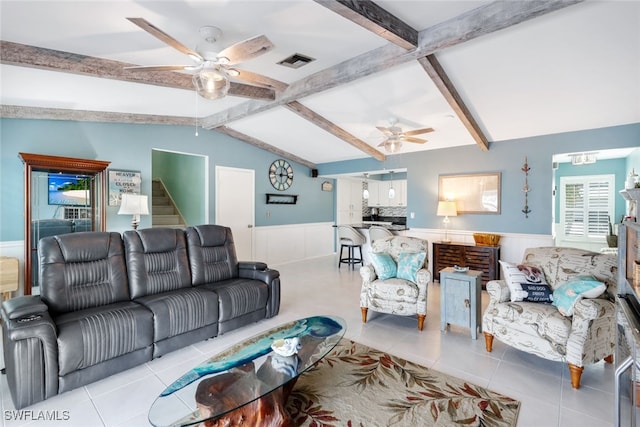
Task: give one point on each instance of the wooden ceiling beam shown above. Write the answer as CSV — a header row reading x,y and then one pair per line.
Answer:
x,y
263,145
334,130
375,19
55,60
448,90
468,26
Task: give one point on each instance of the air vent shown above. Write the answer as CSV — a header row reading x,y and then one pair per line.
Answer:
x,y
296,60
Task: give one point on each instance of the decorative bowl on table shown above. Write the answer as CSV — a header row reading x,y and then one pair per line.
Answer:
x,y
286,346
486,239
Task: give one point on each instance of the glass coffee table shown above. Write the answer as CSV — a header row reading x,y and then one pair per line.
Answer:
x,y
248,383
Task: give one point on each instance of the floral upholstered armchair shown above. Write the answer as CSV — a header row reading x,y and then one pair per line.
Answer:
x,y
396,280
569,319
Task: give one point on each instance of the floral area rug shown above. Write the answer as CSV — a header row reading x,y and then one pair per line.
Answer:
x,y
356,386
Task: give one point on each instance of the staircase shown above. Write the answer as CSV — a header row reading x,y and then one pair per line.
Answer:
x,y
164,211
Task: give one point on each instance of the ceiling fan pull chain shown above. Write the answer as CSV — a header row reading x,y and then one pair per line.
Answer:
x,y
196,95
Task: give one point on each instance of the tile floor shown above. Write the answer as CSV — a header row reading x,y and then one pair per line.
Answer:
x,y
318,287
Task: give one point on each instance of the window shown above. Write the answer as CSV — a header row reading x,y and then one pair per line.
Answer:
x,y
586,204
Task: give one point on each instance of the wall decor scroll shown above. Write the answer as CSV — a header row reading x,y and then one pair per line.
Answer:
x,y
526,189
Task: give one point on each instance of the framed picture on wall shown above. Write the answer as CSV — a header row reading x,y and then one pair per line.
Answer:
x,y
122,181
473,193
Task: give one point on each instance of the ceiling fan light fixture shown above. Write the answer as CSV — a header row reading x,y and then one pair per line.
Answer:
x,y
211,84
393,145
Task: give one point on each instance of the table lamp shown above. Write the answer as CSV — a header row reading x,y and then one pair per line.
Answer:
x,y
136,205
446,208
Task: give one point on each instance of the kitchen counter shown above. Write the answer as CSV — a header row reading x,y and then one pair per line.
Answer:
x,y
389,226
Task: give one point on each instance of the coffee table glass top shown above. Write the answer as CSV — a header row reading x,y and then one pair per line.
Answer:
x,y
245,372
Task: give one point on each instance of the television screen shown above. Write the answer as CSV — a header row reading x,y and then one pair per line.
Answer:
x,y
69,190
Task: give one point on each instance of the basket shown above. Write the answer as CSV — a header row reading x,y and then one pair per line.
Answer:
x,y
486,239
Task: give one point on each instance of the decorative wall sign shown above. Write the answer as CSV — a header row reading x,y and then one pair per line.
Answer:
x,y
122,181
473,193
327,186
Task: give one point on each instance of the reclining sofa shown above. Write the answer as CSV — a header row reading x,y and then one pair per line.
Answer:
x,y
110,302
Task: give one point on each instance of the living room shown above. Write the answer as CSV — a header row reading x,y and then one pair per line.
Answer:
x,y
291,237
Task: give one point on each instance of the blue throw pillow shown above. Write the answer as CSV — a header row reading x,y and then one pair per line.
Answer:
x,y
569,293
384,266
409,264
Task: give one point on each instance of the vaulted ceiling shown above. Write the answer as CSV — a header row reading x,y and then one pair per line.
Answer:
x,y
474,71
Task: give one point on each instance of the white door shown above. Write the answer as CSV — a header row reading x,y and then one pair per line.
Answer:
x,y
235,206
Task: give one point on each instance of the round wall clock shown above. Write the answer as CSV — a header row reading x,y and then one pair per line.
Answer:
x,y
281,174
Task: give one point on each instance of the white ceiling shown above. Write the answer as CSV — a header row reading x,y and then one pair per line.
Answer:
x,y
575,68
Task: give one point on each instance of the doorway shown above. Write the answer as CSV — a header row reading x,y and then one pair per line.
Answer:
x,y
235,207
186,178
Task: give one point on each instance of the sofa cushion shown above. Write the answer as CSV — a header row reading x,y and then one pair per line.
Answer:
x,y
384,266
89,337
239,296
569,293
82,270
212,254
521,319
156,269
181,311
393,289
409,264
533,292
516,274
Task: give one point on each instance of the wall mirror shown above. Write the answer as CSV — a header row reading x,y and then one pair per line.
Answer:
x,y
473,193
62,195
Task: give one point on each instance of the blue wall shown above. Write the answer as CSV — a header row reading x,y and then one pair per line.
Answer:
x,y
507,157
129,147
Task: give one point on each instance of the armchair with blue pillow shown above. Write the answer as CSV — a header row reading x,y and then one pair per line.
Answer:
x,y
558,304
396,280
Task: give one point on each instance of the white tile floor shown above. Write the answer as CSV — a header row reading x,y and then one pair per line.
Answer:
x,y
318,287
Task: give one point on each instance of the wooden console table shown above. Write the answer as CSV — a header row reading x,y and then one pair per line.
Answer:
x,y
481,258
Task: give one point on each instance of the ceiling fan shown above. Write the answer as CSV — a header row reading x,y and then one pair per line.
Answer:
x,y
395,136
213,67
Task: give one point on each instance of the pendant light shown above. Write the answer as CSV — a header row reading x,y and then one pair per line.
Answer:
x,y
392,191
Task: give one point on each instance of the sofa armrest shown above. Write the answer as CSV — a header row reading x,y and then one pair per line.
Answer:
x,y
498,291
423,276
30,350
260,271
593,331
367,273
590,309
252,265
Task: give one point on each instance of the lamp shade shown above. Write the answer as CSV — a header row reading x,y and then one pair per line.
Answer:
x,y
211,84
134,204
447,208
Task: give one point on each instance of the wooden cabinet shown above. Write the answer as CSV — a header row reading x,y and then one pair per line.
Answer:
x,y
460,302
349,202
374,193
481,258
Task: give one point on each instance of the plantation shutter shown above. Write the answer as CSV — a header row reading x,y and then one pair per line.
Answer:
x,y
586,206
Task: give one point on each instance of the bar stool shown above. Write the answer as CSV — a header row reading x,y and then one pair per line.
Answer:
x,y
350,238
376,232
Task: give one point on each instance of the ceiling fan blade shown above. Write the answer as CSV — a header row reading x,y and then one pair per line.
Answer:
x,y
160,67
166,38
414,140
260,80
246,50
418,131
386,131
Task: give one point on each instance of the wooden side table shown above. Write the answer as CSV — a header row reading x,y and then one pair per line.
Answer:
x,y
460,302
8,276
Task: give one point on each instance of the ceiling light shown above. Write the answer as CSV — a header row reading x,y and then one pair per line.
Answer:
x,y
393,145
211,83
365,192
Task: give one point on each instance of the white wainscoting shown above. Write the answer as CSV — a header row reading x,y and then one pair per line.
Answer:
x,y
280,244
15,249
512,245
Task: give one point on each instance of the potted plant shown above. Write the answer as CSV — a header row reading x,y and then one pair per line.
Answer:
x,y
612,239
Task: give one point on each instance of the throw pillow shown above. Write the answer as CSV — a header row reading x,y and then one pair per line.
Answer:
x,y
517,274
409,264
569,293
532,292
384,266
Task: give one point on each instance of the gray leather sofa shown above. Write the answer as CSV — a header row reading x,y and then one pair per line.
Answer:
x,y
110,302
